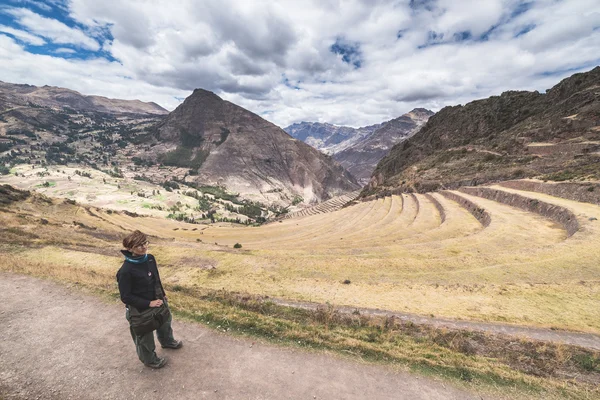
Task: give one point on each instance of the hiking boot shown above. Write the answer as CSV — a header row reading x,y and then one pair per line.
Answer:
x,y
159,363
174,345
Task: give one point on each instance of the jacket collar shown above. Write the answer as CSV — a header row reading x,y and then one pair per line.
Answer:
x,y
133,259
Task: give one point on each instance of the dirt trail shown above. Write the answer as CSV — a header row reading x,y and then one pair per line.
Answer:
x,y
61,344
587,340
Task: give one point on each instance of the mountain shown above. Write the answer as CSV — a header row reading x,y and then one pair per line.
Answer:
x,y
362,157
40,125
360,149
328,138
223,144
55,97
554,136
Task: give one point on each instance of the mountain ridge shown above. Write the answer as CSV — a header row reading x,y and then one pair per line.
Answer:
x,y
360,149
224,144
57,97
517,134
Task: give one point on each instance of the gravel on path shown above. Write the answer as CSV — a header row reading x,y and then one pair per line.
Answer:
x,y
58,343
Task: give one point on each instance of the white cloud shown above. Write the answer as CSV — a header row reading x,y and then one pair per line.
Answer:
x,y
65,50
52,29
275,58
24,36
92,77
35,3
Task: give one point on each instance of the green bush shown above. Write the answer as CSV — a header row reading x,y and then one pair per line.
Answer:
x,y
237,246
297,200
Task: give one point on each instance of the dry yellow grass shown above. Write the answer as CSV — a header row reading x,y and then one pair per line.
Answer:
x,y
395,251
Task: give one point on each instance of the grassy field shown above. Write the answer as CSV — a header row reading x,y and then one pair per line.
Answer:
x,y
392,253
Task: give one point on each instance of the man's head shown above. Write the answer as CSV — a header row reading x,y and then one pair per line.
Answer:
x,y
136,242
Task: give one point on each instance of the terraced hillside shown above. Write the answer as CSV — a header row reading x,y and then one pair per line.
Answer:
x,y
417,278
327,206
458,254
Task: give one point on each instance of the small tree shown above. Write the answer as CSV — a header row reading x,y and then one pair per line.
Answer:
x,y
237,246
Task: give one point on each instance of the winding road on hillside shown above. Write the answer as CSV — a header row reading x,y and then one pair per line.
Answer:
x,y
59,343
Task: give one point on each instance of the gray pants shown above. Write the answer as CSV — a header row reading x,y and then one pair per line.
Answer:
x,y
144,345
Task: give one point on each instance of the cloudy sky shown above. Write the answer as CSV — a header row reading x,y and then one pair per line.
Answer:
x,y
347,62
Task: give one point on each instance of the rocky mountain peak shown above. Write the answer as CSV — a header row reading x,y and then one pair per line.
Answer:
x,y
223,144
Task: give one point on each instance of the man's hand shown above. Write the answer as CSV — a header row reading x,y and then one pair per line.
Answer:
x,y
156,303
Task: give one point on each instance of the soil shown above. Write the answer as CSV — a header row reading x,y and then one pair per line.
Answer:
x,y
60,343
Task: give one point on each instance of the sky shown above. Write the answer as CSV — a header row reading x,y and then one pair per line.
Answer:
x,y
345,62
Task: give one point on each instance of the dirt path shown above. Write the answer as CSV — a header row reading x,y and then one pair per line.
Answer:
x,y
587,340
58,343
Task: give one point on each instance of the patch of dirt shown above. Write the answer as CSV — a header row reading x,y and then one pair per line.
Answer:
x,y
65,344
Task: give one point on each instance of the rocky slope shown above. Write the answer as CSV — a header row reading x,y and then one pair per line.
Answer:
x,y
360,149
518,134
328,138
362,157
223,144
50,125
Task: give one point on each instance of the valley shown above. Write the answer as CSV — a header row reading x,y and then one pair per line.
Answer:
x,y
472,255
451,255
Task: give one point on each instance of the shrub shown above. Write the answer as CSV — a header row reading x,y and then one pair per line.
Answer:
x,y
237,246
297,200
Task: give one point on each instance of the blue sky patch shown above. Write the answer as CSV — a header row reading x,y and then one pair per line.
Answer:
x,y
350,52
288,83
55,11
462,36
419,5
486,35
520,9
433,38
525,29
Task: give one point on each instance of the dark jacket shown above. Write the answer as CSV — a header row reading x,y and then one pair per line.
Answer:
x,y
139,281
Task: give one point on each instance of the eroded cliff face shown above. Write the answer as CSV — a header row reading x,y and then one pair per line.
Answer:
x,y
498,138
224,144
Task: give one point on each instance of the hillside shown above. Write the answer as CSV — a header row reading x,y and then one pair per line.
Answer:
x,y
55,97
118,142
518,134
362,157
329,138
56,126
360,149
220,143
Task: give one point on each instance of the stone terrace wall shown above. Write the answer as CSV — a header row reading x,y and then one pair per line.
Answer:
x,y
584,192
478,212
382,194
556,213
437,205
416,200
